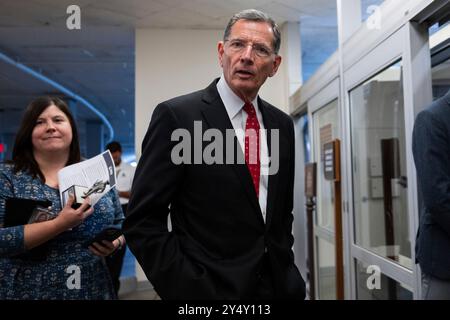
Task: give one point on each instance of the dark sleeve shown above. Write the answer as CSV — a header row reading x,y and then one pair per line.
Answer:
x,y
431,149
156,183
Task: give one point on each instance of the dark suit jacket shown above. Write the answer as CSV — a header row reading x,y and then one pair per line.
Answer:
x,y
218,235
431,148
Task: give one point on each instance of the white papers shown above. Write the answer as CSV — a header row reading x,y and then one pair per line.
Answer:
x,y
91,178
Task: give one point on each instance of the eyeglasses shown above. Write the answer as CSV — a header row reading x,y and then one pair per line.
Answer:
x,y
238,45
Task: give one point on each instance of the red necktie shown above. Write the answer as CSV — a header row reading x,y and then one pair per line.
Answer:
x,y
252,157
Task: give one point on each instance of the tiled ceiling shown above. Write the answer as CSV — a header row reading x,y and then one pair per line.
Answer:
x,y
155,13
97,62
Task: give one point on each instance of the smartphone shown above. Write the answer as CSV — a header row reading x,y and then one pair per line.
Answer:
x,y
108,234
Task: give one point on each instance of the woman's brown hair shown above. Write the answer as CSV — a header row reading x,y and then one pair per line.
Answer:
x,y
22,155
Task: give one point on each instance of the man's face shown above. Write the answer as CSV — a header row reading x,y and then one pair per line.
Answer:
x,y
244,67
116,155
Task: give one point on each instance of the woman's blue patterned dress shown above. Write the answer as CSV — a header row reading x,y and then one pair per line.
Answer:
x,y
67,258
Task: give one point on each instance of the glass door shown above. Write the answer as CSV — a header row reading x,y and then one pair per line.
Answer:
x,y
380,179
383,198
324,114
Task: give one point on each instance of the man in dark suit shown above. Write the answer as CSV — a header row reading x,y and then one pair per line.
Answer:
x,y
231,234
431,148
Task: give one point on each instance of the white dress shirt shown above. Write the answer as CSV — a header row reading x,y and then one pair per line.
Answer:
x,y
234,106
125,175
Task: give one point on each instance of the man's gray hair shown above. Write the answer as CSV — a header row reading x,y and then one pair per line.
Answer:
x,y
255,15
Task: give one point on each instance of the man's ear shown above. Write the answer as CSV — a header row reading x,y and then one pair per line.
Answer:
x,y
220,50
276,64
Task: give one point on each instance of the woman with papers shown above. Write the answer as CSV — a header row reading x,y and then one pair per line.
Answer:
x,y
48,259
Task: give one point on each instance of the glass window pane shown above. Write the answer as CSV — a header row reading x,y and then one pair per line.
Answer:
x,y
379,166
305,133
326,276
441,79
440,58
373,285
326,128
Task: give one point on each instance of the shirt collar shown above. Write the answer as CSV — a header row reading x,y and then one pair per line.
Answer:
x,y
233,104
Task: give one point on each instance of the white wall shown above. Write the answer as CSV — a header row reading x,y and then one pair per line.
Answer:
x,y
170,63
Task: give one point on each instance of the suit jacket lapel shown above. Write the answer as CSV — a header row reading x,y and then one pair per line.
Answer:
x,y
270,123
216,116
